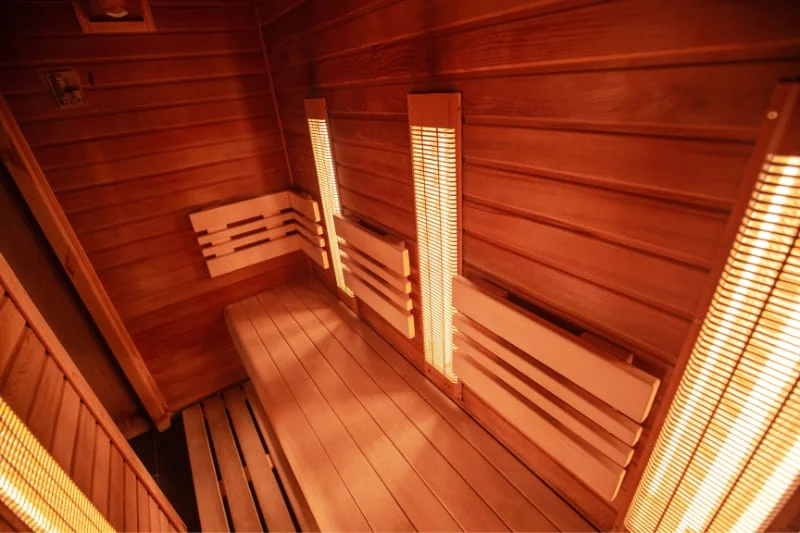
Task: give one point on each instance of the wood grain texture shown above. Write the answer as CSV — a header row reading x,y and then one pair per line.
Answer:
x,y
183,122
323,360
204,474
624,387
581,127
70,421
259,464
30,255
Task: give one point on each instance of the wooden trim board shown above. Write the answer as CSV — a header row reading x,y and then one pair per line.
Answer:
x,y
305,205
41,199
400,283
229,243
400,299
217,218
260,252
435,110
316,108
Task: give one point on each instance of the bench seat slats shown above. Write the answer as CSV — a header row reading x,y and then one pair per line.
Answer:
x,y
420,504
233,236
321,373
422,401
370,494
334,506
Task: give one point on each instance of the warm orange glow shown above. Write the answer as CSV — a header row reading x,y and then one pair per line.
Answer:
x,y
436,195
329,193
36,488
729,451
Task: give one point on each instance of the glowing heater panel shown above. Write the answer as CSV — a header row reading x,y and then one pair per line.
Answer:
x,y
36,488
728,454
317,116
435,127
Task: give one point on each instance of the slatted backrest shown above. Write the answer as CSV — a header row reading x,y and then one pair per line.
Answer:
x,y
581,406
44,388
240,234
376,269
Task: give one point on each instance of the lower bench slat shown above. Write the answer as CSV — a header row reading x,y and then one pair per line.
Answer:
x,y
240,501
204,475
232,470
267,490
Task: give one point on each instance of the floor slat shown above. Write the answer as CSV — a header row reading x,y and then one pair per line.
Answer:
x,y
268,493
204,475
240,501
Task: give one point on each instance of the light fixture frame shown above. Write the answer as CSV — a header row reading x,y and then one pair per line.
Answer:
x,y
330,197
779,133
441,111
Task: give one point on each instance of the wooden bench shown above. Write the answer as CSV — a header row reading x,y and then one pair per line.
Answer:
x,y
232,468
240,234
580,405
367,441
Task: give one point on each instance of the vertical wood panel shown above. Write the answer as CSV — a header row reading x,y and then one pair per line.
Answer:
x,y
101,485
66,427
12,327
45,406
143,507
83,460
131,508
116,490
23,376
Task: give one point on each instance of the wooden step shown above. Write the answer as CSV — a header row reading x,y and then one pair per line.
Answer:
x,y
236,486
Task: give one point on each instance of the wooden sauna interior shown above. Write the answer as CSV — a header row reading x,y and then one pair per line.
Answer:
x,y
601,148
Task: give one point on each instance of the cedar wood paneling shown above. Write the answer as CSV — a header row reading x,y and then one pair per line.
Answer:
x,y
177,120
603,142
26,249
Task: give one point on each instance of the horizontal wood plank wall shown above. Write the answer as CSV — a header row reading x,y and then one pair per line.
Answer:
x,y
603,143
177,120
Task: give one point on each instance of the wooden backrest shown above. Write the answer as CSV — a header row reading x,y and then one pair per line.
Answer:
x,y
240,234
581,406
376,269
44,388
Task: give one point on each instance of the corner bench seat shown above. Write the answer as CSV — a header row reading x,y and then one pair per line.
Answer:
x,y
368,441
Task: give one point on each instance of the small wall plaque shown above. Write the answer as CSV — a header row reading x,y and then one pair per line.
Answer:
x,y
65,86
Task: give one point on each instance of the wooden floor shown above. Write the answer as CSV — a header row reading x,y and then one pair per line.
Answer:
x,y
235,483
372,443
